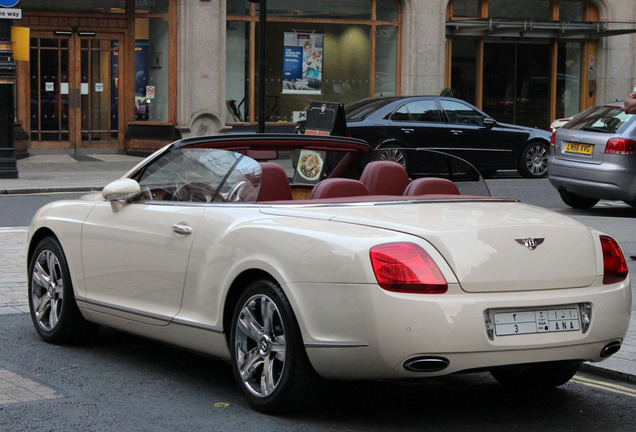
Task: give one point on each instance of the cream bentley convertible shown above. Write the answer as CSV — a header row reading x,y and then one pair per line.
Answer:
x,y
285,257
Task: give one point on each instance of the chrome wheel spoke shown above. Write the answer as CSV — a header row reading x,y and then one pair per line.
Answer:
x,y
249,326
278,348
268,309
54,316
268,380
249,364
40,276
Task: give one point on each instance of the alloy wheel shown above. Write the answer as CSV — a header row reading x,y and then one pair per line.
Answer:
x,y
47,290
260,345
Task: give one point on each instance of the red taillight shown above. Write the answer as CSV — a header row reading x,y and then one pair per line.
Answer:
x,y
406,267
620,146
614,264
553,139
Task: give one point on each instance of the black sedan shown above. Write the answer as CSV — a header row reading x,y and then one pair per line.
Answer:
x,y
396,126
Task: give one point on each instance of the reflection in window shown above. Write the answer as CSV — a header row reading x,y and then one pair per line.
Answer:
x,y
152,6
571,11
526,10
464,71
386,53
151,69
344,50
568,79
460,113
466,8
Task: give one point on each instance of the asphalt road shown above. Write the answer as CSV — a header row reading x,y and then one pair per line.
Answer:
x,y
120,382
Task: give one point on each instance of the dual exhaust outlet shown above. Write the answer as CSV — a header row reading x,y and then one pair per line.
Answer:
x,y
436,364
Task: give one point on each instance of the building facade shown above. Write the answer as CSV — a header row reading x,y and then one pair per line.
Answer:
x,y
133,75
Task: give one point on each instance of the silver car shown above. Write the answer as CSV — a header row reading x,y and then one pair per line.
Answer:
x,y
593,157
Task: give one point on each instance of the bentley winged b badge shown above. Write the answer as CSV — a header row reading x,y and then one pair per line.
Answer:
x,y
531,243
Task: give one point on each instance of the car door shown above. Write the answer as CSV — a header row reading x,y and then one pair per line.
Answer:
x,y
418,123
135,259
135,254
479,139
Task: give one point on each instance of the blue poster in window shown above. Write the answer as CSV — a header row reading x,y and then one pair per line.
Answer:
x,y
302,63
141,79
293,64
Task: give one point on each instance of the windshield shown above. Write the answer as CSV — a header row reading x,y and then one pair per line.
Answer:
x,y
200,175
600,118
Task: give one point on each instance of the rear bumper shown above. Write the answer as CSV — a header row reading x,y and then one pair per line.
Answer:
x,y
374,332
594,181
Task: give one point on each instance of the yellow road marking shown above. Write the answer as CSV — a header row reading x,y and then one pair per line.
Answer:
x,y
614,388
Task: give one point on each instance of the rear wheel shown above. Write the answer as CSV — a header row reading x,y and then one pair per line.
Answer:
x,y
538,376
577,201
268,357
393,153
533,162
54,312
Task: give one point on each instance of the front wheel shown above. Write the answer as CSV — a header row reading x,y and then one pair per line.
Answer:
x,y
268,357
538,376
54,312
533,162
577,201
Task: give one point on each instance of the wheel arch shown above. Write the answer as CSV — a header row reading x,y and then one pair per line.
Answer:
x,y
35,240
234,293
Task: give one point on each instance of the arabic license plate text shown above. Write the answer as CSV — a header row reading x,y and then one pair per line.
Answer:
x,y
537,321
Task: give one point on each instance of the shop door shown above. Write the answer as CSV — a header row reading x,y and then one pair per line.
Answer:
x,y
517,83
74,80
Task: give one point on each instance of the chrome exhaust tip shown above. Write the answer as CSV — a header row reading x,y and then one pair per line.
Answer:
x,y
426,364
610,348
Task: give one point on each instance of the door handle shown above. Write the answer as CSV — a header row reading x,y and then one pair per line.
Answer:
x,y
456,131
408,130
182,229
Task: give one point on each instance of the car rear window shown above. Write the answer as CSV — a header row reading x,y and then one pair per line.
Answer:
x,y
359,112
600,118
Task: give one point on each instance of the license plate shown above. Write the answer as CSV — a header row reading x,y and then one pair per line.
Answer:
x,y
537,321
585,149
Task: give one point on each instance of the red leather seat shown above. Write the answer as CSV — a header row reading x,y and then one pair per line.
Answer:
x,y
274,183
385,178
338,187
431,185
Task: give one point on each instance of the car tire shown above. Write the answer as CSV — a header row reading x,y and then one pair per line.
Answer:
x,y
540,376
268,356
577,201
393,153
533,162
54,311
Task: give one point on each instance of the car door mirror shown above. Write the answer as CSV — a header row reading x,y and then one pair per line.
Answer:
x,y
489,122
121,190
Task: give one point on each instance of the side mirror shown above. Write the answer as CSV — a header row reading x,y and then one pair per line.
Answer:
x,y
121,190
489,122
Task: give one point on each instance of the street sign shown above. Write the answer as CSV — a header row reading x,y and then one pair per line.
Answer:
x,y
8,3
15,14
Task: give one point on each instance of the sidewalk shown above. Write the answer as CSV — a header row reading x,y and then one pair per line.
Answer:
x,y
64,173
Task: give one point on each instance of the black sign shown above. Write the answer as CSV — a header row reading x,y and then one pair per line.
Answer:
x,y
326,118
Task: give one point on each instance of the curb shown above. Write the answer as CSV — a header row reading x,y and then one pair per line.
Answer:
x,y
607,373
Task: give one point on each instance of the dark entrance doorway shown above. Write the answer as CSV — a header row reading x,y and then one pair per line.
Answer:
x,y
517,82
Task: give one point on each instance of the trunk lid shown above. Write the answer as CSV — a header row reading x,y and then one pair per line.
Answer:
x,y
487,243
